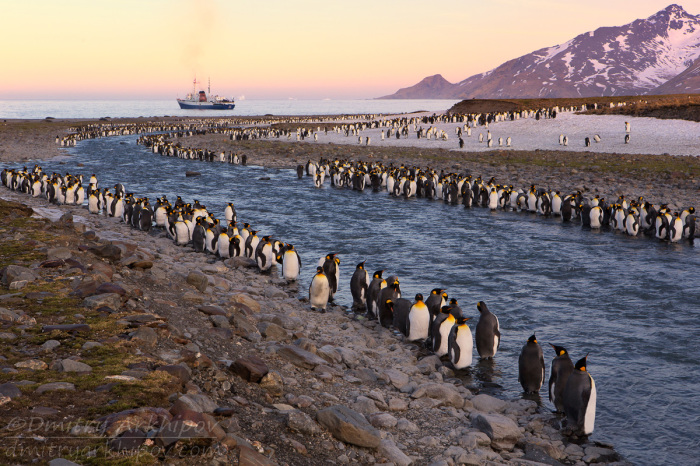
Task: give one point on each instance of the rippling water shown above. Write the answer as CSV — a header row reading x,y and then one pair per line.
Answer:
x,y
633,303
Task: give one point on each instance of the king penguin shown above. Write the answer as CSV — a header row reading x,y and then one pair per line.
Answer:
x,y
391,292
291,263
358,287
580,400
460,344
418,320
319,290
330,268
531,366
375,286
562,367
442,325
488,334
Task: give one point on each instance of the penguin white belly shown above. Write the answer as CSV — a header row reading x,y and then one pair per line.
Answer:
x,y
595,218
556,205
119,209
93,205
228,213
182,235
290,266
496,338
465,343
420,322
532,203
493,200
444,336
589,419
319,292
223,245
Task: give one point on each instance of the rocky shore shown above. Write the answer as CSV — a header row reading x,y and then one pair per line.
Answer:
x,y
131,347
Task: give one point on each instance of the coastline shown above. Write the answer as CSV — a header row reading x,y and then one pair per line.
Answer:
x,y
418,408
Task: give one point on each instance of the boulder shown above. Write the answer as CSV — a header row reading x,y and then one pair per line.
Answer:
x,y
272,383
272,331
349,426
299,421
243,298
503,431
300,357
10,390
146,336
196,402
250,368
397,378
111,300
32,364
49,387
446,394
145,418
198,280
389,450
488,404
179,371
69,365
16,273
110,252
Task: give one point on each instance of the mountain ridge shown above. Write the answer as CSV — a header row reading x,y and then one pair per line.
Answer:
x,y
658,54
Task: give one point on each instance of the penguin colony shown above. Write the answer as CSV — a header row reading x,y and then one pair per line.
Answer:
x,y
185,223
633,217
440,326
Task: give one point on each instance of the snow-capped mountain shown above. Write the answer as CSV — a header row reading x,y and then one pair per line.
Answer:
x,y
637,58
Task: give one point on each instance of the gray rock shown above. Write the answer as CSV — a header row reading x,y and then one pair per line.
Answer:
x,y
14,273
365,405
503,431
198,280
349,426
445,393
350,357
398,404
330,354
472,440
300,357
382,420
8,336
406,426
428,364
18,284
220,321
8,315
299,421
10,390
488,404
111,300
58,253
389,450
197,402
50,345
48,387
88,345
274,293
146,336
272,331
69,365
397,378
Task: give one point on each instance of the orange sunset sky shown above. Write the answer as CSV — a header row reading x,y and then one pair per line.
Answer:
x,y
152,49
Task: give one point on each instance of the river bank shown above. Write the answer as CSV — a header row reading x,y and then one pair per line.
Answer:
x,y
158,327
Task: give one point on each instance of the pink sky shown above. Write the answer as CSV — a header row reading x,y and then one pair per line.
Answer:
x,y
276,49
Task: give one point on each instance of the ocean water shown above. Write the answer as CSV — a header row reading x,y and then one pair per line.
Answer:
x,y
40,109
632,303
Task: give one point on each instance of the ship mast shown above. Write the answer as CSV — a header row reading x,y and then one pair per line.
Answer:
x,y
208,86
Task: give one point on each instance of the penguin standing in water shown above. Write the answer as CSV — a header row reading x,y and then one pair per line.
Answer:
x,y
531,366
375,286
418,320
291,263
488,334
562,367
580,400
442,325
319,290
460,344
358,286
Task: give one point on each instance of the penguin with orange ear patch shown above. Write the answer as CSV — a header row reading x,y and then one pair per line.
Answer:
x,y
580,400
562,367
531,366
460,344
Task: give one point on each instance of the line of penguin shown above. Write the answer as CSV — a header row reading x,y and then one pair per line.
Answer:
x,y
440,326
184,223
633,218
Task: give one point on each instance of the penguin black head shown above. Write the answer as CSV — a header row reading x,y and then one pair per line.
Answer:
x,y
446,309
560,350
481,306
436,291
361,265
389,303
453,302
691,210
378,274
419,297
581,364
462,320
319,270
532,339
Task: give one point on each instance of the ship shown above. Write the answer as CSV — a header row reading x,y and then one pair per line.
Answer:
x,y
204,100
